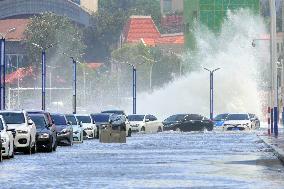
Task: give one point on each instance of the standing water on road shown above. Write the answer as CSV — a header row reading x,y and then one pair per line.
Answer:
x,y
236,84
164,160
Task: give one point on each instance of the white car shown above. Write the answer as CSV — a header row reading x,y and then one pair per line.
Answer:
x,y
145,123
88,124
25,138
7,140
239,121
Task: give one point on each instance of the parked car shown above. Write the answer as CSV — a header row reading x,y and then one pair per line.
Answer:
x,y
121,112
45,139
7,140
187,122
145,123
89,126
255,120
220,119
77,128
49,122
24,127
64,130
101,120
238,121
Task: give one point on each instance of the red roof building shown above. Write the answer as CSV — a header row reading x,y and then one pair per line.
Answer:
x,y
19,25
143,29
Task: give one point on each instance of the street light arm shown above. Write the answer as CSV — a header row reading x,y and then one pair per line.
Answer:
x,y
216,69
206,69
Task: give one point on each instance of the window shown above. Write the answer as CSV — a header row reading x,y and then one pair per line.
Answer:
x,y
194,117
152,118
167,6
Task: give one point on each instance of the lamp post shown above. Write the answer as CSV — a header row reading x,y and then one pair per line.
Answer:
x,y
3,68
74,83
269,108
43,71
211,90
134,82
274,63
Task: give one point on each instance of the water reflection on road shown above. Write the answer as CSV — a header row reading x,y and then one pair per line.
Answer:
x,y
167,160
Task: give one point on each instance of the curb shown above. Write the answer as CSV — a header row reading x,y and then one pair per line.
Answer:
x,y
277,151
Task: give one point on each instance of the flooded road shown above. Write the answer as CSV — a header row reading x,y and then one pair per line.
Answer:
x,y
164,160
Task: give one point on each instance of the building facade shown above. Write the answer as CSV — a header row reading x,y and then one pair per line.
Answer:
x,y
211,13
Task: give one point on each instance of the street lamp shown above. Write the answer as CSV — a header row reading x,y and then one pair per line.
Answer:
x,y
270,110
211,89
3,68
43,71
274,63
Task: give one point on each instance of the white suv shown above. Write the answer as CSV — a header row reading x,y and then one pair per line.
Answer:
x,y
7,140
88,124
25,138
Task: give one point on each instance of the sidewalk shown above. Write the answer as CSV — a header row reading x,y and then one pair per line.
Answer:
x,y
277,144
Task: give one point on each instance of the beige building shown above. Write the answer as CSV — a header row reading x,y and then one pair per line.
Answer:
x,y
91,5
171,6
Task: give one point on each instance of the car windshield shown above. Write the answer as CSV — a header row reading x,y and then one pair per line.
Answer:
x,y
59,119
72,119
101,118
84,119
13,118
220,117
136,117
39,121
177,117
237,117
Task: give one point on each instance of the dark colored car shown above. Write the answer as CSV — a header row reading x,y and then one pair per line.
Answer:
x,y
187,122
44,136
48,119
64,129
101,119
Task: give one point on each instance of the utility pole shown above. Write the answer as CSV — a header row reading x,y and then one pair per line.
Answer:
x,y
274,64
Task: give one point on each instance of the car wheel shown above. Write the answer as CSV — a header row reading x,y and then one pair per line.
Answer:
x,y
13,152
129,133
98,134
34,148
143,129
1,158
159,129
55,146
28,150
9,151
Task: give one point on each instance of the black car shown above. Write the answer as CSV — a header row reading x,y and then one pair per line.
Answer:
x,y
64,130
44,136
187,122
49,121
101,119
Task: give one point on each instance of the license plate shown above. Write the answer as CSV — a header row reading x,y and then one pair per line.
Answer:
x,y
235,129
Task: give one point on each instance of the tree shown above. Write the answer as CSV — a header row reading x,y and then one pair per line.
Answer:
x,y
47,29
107,24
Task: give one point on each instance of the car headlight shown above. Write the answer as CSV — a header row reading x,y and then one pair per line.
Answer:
x,y
44,135
64,131
22,131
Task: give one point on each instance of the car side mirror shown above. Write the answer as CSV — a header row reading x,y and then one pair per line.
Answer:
x,y
81,124
147,120
30,122
52,121
111,121
69,123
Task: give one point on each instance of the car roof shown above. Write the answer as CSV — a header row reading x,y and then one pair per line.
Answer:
x,y
113,111
82,114
37,115
102,114
57,114
12,111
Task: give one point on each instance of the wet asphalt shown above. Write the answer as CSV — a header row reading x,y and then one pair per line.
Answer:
x,y
163,160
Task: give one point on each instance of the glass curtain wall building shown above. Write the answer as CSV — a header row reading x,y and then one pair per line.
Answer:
x,y
211,13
